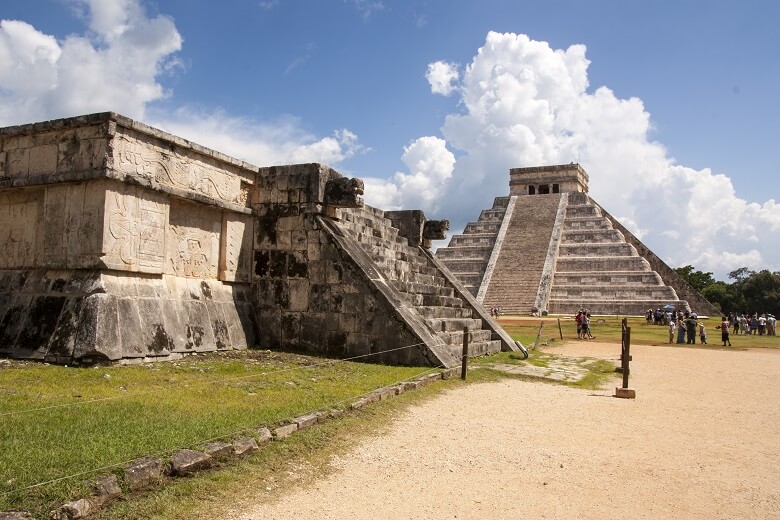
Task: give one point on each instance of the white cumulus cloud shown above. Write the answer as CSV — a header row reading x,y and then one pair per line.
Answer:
x,y
116,65
441,76
526,104
113,67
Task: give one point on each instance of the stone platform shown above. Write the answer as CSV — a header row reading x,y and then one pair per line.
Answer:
x,y
122,242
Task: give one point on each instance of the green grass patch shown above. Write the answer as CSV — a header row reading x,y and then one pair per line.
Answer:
x,y
277,468
57,422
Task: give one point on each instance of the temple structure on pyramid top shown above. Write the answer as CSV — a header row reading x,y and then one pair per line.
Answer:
x,y
549,247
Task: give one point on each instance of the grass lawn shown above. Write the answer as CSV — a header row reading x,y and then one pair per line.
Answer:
x,y
60,421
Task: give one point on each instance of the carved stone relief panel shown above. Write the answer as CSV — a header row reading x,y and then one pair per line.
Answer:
x,y
21,217
192,241
185,171
235,248
72,224
136,220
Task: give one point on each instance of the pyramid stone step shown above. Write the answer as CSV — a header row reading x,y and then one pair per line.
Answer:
x,y
473,240
446,253
612,292
645,278
591,236
617,307
618,263
599,249
582,210
587,223
483,227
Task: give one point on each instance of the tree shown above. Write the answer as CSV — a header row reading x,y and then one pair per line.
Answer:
x,y
698,279
761,291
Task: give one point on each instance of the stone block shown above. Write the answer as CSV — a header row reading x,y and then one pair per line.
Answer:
x,y
218,450
15,515
186,462
107,487
264,435
625,393
74,510
244,445
143,472
285,431
305,421
43,160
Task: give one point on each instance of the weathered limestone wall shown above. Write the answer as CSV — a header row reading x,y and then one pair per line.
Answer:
x,y
310,292
121,241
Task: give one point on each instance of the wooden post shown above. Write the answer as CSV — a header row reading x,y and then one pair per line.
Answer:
x,y
538,335
625,357
560,330
465,359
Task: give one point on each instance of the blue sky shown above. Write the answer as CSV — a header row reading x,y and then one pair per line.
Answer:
x,y
680,145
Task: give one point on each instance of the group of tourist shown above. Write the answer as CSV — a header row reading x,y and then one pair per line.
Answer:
x,y
687,325
583,324
495,312
659,316
759,324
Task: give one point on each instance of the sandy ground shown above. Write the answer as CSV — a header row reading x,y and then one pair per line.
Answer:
x,y
700,441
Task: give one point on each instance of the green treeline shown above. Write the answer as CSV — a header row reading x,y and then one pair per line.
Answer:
x,y
749,291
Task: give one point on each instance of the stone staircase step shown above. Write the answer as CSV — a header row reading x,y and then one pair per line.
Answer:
x,y
597,250
453,324
421,288
618,307
455,337
623,278
616,263
444,312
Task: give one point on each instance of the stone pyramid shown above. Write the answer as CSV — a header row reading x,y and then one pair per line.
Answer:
x,y
550,248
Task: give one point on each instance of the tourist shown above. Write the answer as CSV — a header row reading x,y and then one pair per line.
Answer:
x,y
690,328
743,325
724,331
578,319
680,330
771,325
672,326
702,334
586,326
761,325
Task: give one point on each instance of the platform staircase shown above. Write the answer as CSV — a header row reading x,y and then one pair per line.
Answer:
x,y
419,280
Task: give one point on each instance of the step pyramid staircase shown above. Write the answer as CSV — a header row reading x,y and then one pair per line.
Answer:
x,y
422,282
508,272
468,254
599,270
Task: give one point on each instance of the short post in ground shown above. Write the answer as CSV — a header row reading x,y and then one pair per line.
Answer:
x,y
625,392
560,330
465,358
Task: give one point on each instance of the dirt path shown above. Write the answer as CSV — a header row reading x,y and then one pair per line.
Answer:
x,y
700,441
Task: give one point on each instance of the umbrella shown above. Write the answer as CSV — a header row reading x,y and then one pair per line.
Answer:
x,y
669,306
